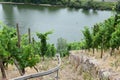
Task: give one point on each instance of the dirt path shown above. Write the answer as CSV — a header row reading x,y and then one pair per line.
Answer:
x,y
66,72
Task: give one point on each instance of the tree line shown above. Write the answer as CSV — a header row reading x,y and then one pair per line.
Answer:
x,y
35,1
85,4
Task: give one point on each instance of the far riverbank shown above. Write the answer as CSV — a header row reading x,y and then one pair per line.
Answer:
x,y
14,3
96,5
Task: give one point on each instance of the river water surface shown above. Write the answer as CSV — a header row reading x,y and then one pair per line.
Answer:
x,y
65,22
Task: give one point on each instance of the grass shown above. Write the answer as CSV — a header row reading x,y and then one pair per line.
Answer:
x,y
87,76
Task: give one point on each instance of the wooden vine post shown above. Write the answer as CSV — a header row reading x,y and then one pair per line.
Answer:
x,y
15,61
29,34
57,55
18,34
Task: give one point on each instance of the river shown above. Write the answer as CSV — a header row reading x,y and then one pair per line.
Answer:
x,y
65,22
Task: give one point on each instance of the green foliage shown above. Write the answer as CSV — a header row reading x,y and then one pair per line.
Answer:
x,y
62,47
51,50
35,1
36,47
75,4
26,55
76,45
8,41
43,40
115,39
88,38
91,4
85,4
117,6
104,35
103,5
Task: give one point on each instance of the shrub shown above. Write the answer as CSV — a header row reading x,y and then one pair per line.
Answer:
x,y
62,47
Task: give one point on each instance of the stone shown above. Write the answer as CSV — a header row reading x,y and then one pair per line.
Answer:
x,y
114,76
92,65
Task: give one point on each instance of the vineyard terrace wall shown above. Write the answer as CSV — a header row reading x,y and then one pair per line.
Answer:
x,y
92,66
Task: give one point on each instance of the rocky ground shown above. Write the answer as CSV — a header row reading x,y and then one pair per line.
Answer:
x,y
67,70
95,68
